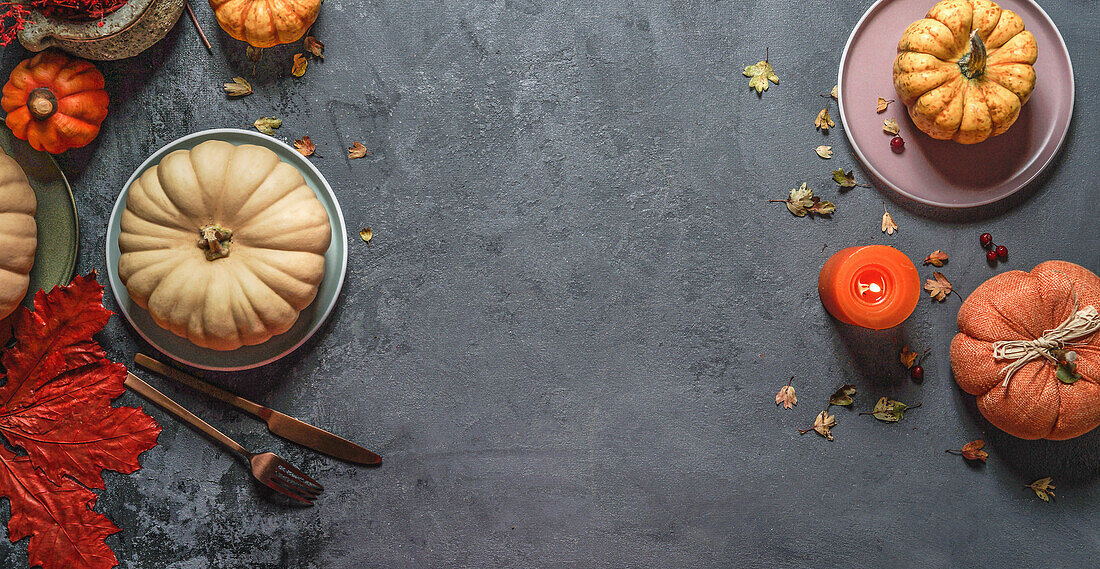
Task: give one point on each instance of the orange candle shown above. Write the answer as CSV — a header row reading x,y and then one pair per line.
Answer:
x,y
874,286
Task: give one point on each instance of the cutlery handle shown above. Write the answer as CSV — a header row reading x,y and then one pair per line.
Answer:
x,y
199,385
149,392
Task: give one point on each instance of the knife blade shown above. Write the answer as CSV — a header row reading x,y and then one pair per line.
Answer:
x,y
279,424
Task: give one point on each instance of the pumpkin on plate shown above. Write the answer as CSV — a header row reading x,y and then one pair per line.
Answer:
x,y
1016,309
965,70
19,233
223,245
55,102
266,23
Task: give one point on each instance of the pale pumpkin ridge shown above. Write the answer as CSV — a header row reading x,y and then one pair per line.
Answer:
x,y
268,324
304,201
159,204
245,310
254,193
253,261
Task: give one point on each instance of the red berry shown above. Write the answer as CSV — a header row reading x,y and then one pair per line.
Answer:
x,y
986,239
991,255
1002,251
897,144
916,372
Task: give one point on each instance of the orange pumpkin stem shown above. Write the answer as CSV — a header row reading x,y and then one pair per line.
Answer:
x,y
972,64
42,103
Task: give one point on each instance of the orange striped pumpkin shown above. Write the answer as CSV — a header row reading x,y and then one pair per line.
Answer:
x,y
266,23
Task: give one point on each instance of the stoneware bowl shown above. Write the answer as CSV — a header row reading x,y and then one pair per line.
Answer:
x,y
126,32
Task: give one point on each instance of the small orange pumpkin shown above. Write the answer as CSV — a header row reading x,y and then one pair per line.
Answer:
x,y
266,23
1014,306
55,102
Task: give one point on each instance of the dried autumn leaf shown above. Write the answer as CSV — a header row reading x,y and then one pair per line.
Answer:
x,y
57,408
890,411
357,150
824,151
314,47
843,396
890,126
936,258
267,125
1043,487
366,234
298,69
973,451
835,91
845,179
938,286
238,88
908,357
802,201
888,225
760,74
305,146
882,104
823,121
822,425
786,396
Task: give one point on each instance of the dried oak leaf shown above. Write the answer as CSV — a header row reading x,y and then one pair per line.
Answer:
x,y
314,47
938,286
760,74
889,410
57,408
305,146
888,225
882,104
843,396
366,234
890,126
822,425
908,357
824,151
357,150
786,396
936,258
973,451
823,121
1043,487
802,201
267,125
238,88
298,69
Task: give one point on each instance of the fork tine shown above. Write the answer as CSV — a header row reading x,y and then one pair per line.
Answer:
x,y
295,486
287,492
306,479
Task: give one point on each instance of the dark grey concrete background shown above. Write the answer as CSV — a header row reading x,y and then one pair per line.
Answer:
x,y
567,333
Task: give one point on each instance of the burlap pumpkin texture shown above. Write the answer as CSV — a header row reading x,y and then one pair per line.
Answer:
x,y
1018,305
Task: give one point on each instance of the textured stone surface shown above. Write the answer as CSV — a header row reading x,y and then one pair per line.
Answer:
x,y
567,333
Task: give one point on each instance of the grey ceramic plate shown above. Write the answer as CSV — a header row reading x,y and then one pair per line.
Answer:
x,y
58,230
336,264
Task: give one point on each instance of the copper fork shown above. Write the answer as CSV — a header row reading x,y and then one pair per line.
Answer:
x,y
270,469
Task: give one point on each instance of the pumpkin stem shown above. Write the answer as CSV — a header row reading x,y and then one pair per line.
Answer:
x,y
972,64
215,241
42,103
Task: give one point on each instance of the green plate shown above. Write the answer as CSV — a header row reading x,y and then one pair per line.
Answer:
x,y
310,319
58,230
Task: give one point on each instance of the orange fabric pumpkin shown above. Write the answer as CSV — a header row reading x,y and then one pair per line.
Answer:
x,y
266,23
55,102
1023,306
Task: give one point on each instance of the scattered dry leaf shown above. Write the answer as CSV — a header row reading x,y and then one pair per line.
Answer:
x,y
760,74
835,91
843,396
238,88
889,410
890,126
882,104
972,451
786,396
305,146
300,64
824,151
267,125
314,47
938,286
366,234
845,179
802,201
908,357
888,225
823,121
936,258
357,150
1044,488
822,425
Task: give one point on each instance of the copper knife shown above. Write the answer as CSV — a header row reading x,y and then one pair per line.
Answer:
x,y
278,423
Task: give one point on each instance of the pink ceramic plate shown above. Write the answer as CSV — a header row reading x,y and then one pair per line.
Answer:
x,y
939,172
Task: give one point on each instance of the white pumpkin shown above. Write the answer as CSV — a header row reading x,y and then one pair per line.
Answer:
x,y
223,245
18,232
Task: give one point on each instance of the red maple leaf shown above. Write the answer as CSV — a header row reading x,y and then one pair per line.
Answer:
x,y
56,407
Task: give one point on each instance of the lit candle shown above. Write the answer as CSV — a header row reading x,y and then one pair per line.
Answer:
x,y
874,286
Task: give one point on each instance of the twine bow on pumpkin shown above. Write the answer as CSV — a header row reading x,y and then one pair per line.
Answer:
x,y
1079,324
